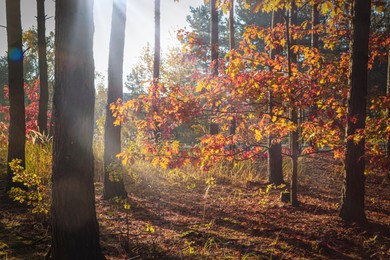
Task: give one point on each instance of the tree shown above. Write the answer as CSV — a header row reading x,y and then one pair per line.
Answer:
x,y
275,171
157,51
113,182
214,56
233,124
75,230
388,110
315,20
294,142
3,77
352,204
43,82
17,125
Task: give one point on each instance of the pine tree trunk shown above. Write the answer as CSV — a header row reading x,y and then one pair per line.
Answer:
x,y
75,230
275,160
156,60
43,85
214,128
231,26
352,204
233,123
113,181
157,48
294,142
388,110
315,20
17,124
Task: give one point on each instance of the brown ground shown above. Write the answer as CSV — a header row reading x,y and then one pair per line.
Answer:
x,y
232,220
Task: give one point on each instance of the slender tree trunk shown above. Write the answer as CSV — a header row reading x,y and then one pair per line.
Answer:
x,y
17,124
43,82
352,204
275,160
157,48
214,128
113,181
294,142
233,123
315,20
75,230
388,110
231,26
156,61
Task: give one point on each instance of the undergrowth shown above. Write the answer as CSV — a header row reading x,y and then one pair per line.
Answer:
x,y
36,177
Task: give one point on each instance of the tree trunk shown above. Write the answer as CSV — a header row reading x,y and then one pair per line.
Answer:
x,y
233,123
156,60
113,181
17,124
275,160
43,85
388,110
214,128
157,49
75,230
231,26
294,142
315,20
352,204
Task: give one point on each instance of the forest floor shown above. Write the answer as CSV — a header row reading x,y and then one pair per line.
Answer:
x,y
179,216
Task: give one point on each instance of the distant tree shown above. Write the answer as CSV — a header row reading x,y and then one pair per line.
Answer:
x,y
294,141
157,49
43,81
315,20
113,181
275,171
352,204
233,124
138,79
3,77
388,110
17,124
231,26
75,230
214,56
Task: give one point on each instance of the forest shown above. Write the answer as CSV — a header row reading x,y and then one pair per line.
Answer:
x,y
263,134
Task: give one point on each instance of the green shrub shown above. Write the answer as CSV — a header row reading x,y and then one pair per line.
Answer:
x,y
37,175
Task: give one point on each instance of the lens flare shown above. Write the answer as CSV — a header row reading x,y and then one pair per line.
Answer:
x,y
15,54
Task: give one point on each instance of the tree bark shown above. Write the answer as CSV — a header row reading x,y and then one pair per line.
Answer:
x,y
156,61
157,48
75,230
388,110
315,20
231,26
17,124
275,160
294,142
214,128
113,181
352,204
43,82
233,123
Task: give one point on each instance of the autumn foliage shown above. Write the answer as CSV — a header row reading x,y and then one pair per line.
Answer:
x,y
317,87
